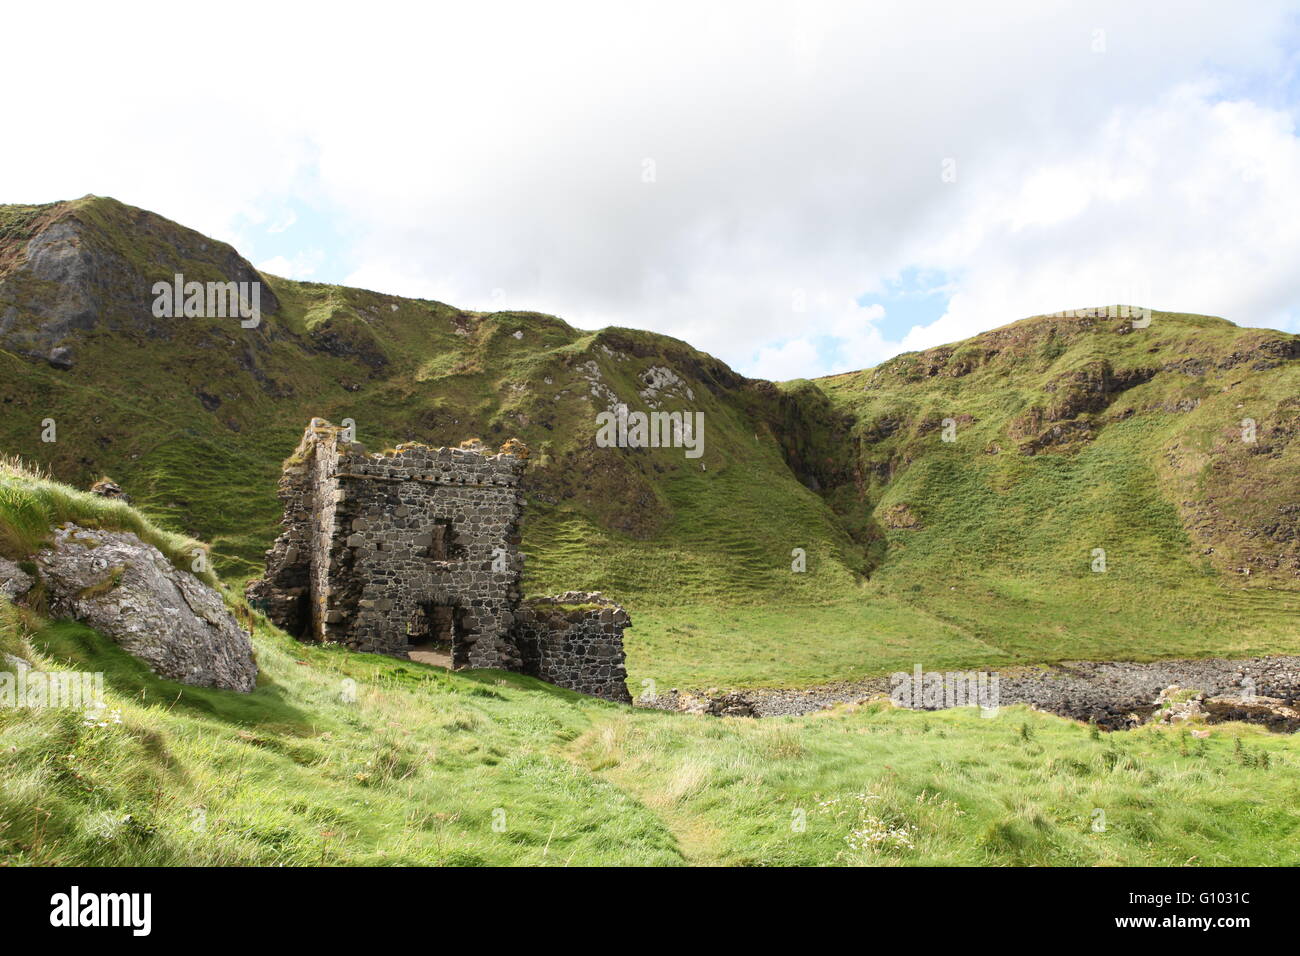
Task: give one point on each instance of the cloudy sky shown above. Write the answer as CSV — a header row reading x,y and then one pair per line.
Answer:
x,y
798,188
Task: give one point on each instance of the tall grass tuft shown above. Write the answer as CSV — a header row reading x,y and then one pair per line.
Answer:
x,y
24,522
31,504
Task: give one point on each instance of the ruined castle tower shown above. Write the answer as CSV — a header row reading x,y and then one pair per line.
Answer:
x,y
417,548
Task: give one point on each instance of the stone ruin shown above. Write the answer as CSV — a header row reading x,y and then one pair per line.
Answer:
x,y
575,640
414,552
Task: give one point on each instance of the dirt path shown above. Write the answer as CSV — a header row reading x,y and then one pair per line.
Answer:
x,y
429,655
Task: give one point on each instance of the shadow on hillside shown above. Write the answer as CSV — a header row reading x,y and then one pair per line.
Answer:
x,y
487,681
85,649
490,678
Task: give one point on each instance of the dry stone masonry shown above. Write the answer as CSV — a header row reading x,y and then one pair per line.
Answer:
x,y
575,640
417,548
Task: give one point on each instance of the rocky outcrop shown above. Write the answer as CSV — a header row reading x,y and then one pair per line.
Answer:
x,y
1176,705
1272,712
710,703
1115,695
1090,389
1057,424
128,591
68,274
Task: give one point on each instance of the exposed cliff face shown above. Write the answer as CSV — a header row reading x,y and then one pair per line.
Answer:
x,y
77,268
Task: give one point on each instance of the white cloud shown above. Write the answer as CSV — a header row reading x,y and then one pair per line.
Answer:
x,y
285,222
301,266
1189,205
494,153
789,360
382,276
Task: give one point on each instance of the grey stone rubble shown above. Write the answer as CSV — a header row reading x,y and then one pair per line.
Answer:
x,y
418,547
1177,705
14,581
1115,694
129,592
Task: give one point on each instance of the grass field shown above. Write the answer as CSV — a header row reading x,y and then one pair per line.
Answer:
x,y
342,758
995,568
426,767
998,570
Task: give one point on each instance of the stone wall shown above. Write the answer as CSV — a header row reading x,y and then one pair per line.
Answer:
x,y
419,528
575,640
284,593
383,552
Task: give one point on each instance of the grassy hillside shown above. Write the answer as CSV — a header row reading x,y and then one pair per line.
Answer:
x,y
1072,435
426,767
917,549
196,415
31,505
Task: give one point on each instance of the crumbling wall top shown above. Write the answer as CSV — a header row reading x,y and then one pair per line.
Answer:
x,y
414,461
576,605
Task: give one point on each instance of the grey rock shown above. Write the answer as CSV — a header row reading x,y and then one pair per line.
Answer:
x,y
85,283
1116,695
14,581
1273,712
168,618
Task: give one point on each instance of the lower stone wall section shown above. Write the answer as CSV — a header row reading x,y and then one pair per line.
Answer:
x,y
575,640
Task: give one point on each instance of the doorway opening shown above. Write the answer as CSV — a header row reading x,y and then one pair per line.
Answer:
x,y
433,635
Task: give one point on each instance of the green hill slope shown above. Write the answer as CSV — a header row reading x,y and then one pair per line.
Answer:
x,y
1075,436
340,758
916,548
